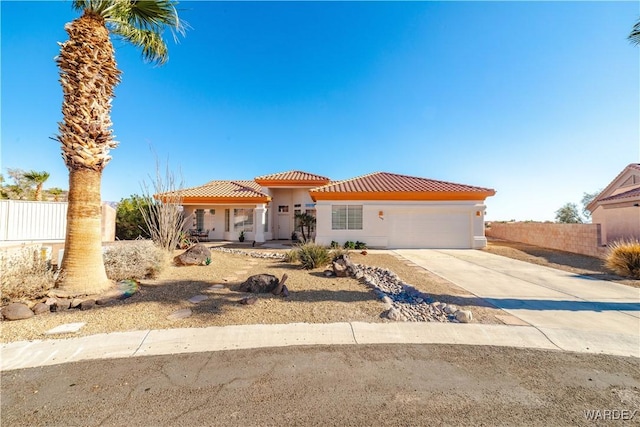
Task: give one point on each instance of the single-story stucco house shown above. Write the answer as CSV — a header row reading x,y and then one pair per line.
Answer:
x,y
383,210
617,207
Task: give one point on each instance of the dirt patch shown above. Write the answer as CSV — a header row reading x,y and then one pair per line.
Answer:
x,y
313,298
574,263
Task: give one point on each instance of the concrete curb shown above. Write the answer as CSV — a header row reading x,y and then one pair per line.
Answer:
x,y
29,354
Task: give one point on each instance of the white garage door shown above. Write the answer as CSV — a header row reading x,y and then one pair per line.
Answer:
x,y
429,230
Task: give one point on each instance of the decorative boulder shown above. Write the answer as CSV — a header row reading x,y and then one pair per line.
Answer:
x,y
195,255
17,311
87,304
61,304
259,284
464,316
41,308
342,266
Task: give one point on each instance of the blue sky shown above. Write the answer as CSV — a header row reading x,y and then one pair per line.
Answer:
x,y
538,100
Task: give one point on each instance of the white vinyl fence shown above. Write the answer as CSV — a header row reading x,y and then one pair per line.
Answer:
x,y
23,220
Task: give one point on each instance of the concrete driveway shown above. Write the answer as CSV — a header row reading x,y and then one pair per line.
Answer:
x,y
575,312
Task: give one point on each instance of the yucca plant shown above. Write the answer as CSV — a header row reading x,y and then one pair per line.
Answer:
x,y
313,256
624,258
291,256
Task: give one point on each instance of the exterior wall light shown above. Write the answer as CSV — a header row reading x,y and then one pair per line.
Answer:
x,y
381,214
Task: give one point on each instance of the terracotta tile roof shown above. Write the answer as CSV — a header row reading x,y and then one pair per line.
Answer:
x,y
626,195
224,191
389,183
610,188
292,178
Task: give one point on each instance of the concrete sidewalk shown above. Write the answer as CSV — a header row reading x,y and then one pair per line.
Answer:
x,y
26,354
568,308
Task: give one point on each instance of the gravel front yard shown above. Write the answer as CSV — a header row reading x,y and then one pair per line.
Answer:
x,y
313,298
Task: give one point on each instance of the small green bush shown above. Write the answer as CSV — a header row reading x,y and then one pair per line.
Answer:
x,y
360,245
313,256
624,258
25,275
349,245
137,259
291,256
334,245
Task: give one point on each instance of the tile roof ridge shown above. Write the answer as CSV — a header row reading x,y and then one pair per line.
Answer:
x,y
348,179
247,187
289,172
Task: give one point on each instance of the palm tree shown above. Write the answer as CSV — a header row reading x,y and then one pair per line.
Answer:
x,y
38,179
634,36
305,220
56,192
88,75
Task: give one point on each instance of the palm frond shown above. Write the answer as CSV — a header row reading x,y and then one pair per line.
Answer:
x,y
634,37
153,47
95,6
140,22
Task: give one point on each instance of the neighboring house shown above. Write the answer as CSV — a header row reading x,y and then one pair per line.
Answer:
x,y
617,207
380,209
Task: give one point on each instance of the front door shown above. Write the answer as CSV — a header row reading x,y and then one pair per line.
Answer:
x,y
284,226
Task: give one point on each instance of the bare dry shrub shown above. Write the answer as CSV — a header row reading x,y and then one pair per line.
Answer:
x,y
26,275
135,259
624,258
338,251
164,216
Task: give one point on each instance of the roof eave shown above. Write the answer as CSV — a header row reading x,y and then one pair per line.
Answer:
x,y
425,196
224,200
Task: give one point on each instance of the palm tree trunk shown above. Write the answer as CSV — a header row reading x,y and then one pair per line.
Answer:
x,y
83,271
39,192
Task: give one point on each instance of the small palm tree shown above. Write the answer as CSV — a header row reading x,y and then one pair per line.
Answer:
x,y
56,192
305,220
89,75
38,179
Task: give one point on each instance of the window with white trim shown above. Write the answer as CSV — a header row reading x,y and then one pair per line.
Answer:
x,y
346,217
243,220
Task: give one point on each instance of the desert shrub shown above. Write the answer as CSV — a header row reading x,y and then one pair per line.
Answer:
x,y
130,221
164,216
334,244
624,258
25,275
349,245
338,251
360,245
291,256
312,255
134,260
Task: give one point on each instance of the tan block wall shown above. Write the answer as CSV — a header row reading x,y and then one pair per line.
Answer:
x,y
108,223
582,239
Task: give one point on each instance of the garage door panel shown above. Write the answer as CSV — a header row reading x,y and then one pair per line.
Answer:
x,y
430,230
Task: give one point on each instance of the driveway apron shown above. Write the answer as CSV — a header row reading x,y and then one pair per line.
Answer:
x,y
574,311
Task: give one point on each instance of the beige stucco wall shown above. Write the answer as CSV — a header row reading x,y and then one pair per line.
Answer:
x,y
108,223
582,239
617,222
376,230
